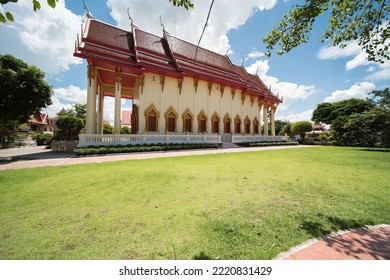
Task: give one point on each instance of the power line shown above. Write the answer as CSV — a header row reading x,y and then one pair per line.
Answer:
x,y
204,28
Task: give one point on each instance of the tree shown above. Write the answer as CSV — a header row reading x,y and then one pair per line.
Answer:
x,y
369,128
301,127
364,21
70,122
23,92
328,112
107,128
69,127
125,130
52,3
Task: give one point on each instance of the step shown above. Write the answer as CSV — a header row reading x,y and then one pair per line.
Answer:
x,y
229,145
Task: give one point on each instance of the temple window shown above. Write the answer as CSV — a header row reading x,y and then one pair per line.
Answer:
x,y
255,126
237,125
171,120
187,121
227,124
247,126
151,116
215,124
202,122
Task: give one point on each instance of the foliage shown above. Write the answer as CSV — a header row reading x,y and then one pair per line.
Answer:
x,y
285,128
125,130
140,148
348,20
381,97
328,112
69,127
236,206
266,144
357,122
183,3
36,7
369,129
23,92
300,128
52,3
43,138
108,128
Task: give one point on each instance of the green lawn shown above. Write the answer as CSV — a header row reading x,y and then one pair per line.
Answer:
x,y
226,206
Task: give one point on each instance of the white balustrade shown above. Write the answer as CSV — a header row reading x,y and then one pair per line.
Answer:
x,y
86,140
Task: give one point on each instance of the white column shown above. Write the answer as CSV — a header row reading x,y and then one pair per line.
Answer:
x,y
273,109
99,127
265,119
90,126
118,94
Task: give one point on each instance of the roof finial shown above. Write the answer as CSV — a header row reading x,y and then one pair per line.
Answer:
x,y
227,52
243,61
89,15
130,18
164,31
257,71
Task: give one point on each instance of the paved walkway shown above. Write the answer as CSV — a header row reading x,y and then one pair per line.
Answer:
x,y
368,243
17,158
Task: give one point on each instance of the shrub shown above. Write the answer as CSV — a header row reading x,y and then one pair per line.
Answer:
x,y
43,139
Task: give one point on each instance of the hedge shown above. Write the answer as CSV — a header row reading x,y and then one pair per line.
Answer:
x,y
266,144
140,148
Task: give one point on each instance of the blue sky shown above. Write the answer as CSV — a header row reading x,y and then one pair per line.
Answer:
x,y
311,74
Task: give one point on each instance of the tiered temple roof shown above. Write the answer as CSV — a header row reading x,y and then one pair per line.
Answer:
x,y
137,51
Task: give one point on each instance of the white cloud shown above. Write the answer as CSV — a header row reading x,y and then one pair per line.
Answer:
x,y
255,54
260,67
44,38
64,98
359,59
188,25
71,94
290,92
356,91
303,116
333,52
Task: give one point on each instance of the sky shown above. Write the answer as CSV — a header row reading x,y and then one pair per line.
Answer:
x,y
310,74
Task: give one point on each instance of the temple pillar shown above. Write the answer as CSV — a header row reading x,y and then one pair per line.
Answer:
x,y
90,126
273,109
265,119
99,127
118,94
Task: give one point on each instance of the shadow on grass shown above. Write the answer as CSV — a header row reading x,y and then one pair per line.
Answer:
x,y
383,150
201,256
331,224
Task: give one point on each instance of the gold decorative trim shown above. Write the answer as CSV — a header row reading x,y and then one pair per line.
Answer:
x,y
162,82
180,85
222,89
233,91
196,82
210,87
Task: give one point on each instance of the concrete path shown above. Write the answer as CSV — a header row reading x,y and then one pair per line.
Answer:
x,y
28,157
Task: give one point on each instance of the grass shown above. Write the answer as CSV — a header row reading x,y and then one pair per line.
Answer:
x,y
225,206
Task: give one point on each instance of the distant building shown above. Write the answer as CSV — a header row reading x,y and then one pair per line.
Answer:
x,y
126,118
41,123
179,92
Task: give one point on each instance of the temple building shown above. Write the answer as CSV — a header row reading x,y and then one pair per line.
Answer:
x,y
179,92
